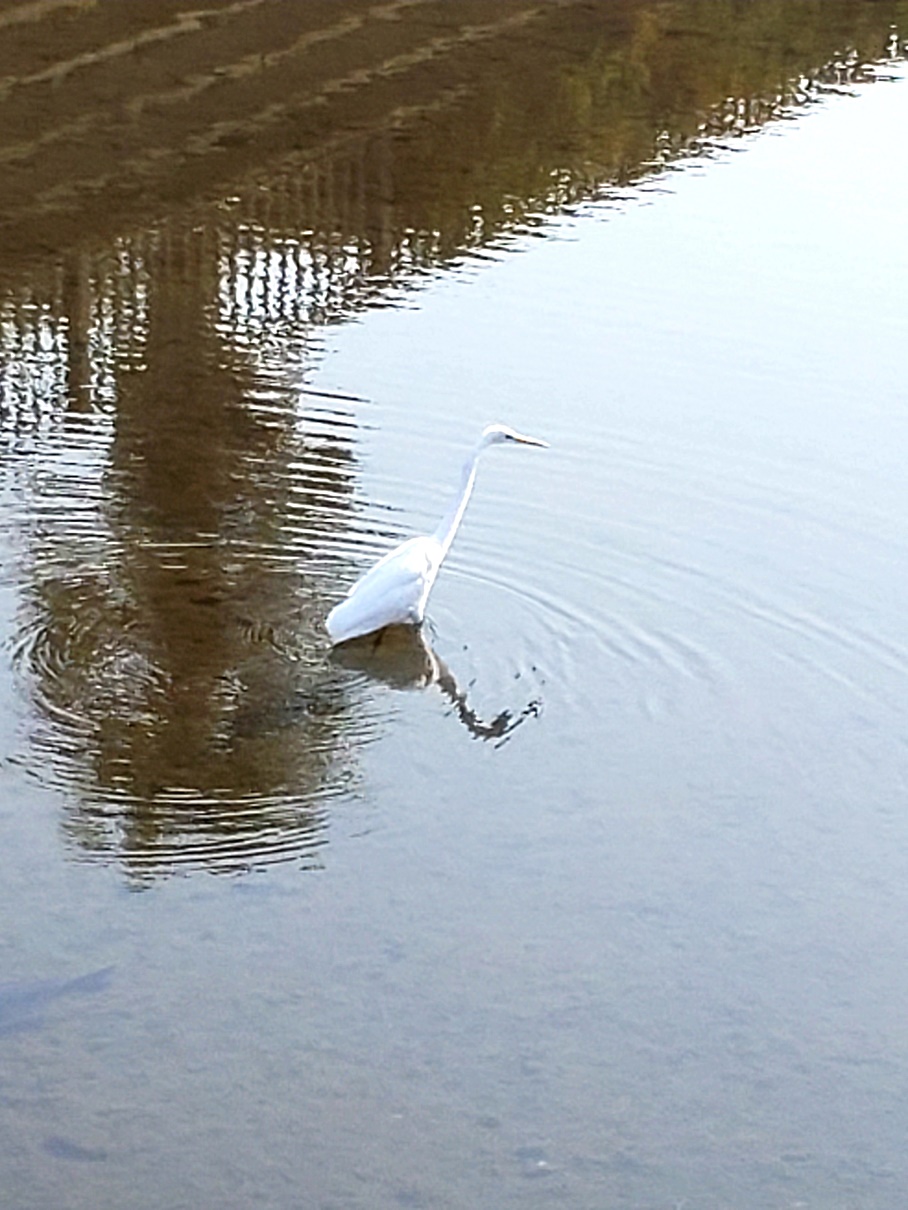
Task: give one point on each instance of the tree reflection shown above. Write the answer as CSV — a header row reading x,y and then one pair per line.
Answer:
x,y
149,625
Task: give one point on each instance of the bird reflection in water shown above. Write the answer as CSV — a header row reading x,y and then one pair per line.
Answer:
x,y
400,657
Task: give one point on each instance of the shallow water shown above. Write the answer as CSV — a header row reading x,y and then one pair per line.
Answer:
x,y
593,895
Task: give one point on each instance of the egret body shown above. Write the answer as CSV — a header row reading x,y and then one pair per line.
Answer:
x,y
394,592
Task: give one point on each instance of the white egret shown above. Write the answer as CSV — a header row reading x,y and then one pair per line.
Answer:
x,y
396,589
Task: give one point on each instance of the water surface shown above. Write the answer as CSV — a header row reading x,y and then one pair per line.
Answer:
x,y
595,895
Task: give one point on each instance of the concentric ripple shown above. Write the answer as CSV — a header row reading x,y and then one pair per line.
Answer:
x,y
225,758
180,695
696,573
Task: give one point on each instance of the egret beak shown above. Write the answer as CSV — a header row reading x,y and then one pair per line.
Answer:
x,y
531,441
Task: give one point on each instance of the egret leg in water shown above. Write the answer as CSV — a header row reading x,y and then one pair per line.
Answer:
x,y
394,592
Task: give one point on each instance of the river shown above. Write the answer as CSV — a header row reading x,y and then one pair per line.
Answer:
x,y
594,892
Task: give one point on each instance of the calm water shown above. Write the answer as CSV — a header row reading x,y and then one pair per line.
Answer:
x,y
597,896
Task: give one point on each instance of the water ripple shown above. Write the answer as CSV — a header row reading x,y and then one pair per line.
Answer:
x,y
700,572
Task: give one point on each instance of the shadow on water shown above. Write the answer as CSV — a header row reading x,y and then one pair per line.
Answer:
x,y
179,511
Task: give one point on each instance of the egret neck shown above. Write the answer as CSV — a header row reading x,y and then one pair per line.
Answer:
x,y
447,528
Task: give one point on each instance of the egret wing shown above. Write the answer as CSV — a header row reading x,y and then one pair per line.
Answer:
x,y
393,592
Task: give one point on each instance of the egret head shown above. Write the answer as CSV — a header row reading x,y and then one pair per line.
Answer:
x,y
495,434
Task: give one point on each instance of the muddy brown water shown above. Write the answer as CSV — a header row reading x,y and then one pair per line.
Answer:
x,y
593,893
